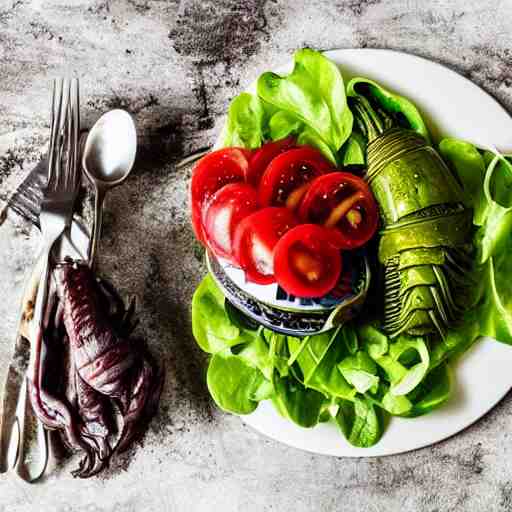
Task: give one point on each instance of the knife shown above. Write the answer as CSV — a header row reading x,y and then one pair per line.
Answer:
x,y
15,383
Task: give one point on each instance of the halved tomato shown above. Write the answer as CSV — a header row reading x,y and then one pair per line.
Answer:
x,y
211,173
306,263
345,202
255,239
263,156
289,175
224,211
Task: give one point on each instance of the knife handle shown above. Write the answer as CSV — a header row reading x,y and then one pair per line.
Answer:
x,y
7,416
14,389
25,465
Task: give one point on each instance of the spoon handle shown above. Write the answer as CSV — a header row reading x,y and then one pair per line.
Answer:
x,y
96,230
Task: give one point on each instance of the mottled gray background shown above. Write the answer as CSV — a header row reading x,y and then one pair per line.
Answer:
x,y
175,65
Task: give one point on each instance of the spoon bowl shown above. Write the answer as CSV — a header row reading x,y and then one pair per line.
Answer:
x,y
108,158
110,148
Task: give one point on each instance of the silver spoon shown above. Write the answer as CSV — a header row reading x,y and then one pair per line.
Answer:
x,y
108,158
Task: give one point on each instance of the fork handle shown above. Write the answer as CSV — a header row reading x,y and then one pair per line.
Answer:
x,y
99,199
37,323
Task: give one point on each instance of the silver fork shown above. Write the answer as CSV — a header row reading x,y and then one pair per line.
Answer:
x,y
56,215
60,194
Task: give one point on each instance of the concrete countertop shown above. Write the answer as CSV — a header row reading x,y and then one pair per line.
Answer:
x,y
175,65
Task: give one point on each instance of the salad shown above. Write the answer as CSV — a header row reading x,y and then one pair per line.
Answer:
x,y
313,177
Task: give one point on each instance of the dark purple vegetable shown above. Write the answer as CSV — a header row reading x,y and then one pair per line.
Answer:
x,y
102,365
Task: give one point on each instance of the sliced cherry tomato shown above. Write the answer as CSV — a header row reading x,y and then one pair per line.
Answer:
x,y
224,211
211,173
306,263
343,201
289,175
263,156
255,239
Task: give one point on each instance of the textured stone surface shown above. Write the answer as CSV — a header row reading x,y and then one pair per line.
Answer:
x,y
175,65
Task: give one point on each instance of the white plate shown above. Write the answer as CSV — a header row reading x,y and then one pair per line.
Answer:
x,y
452,106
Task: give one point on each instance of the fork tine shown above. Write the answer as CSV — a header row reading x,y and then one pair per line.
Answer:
x,y
63,137
68,144
76,134
58,134
54,160
69,171
63,165
64,113
52,133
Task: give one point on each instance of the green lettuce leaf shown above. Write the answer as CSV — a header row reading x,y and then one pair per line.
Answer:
x,y
257,354
469,165
458,339
235,385
405,361
278,352
390,102
373,340
282,124
294,401
308,137
353,151
349,337
310,103
495,311
396,405
313,93
433,392
415,373
494,233
359,421
211,326
488,179
360,371
245,122
317,357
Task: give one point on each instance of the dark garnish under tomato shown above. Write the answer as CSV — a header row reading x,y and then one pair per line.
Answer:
x,y
306,263
263,156
289,175
211,173
224,211
342,201
255,239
